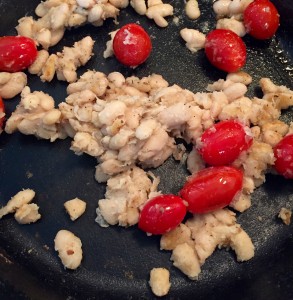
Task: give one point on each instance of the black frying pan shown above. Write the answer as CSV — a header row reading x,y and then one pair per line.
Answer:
x,y
117,261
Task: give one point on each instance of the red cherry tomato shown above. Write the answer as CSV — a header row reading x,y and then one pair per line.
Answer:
x,y
283,153
222,144
261,19
211,188
225,50
16,53
2,110
132,45
162,214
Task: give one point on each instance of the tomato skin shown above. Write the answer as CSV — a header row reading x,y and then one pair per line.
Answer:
x,y
211,188
132,45
162,214
222,144
225,50
261,19
283,153
16,53
2,110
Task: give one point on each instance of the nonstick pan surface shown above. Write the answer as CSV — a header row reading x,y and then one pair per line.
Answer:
x,y
117,261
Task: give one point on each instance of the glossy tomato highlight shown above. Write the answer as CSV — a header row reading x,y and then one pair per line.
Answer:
x,y
222,143
132,45
225,50
261,19
283,153
162,214
16,53
211,188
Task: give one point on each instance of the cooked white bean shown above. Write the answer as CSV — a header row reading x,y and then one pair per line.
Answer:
x,y
240,76
17,81
18,200
75,208
145,129
185,259
235,91
37,65
27,214
233,25
85,3
69,249
192,10
30,102
238,6
221,7
160,281
52,117
117,79
159,12
154,2
95,13
139,6
111,111
119,3
195,40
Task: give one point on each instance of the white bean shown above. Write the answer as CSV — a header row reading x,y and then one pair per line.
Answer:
x,y
240,76
95,13
69,248
111,111
238,6
185,259
37,65
75,208
85,3
30,102
14,86
117,79
27,213
119,3
233,25
195,40
221,7
139,6
18,200
159,12
192,9
160,281
52,117
145,129
235,91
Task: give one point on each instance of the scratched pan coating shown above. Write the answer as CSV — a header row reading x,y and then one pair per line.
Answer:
x,y
117,261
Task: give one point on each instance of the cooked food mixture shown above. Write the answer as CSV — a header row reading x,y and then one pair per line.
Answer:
x,y
285,215
132,124
129,123
25,212
75,208
11,84
159,281
69,249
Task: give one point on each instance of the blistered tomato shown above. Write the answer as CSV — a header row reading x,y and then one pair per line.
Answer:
x,y
222,143
283,153
261,19
16,53
211,188
132,45
162,214
225,50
